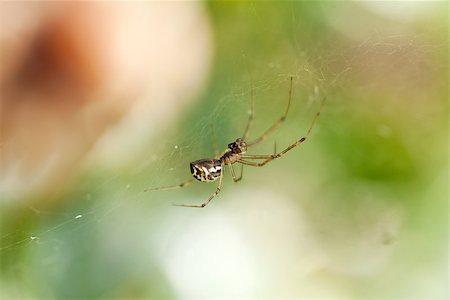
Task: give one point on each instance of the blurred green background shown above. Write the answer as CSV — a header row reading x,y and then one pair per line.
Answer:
x,y
359,211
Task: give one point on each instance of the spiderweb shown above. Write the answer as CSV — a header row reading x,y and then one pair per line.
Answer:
x,y
104,203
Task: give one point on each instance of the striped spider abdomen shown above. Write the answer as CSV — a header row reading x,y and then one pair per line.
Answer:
x,y
206,170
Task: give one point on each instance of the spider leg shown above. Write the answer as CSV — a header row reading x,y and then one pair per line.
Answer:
x,y
234,175
171,187
248,163
269,158
219,186
277,123
214,142
251,115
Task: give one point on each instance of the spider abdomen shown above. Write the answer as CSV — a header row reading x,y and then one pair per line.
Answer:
x,y
206,170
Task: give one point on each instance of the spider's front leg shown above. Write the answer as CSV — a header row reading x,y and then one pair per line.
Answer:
x,y
268,158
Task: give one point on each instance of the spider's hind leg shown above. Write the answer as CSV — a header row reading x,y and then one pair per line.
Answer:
x,y
214,142
250,115
219,186
170,187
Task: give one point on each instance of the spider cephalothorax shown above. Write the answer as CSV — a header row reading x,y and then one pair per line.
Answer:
x,y
239,146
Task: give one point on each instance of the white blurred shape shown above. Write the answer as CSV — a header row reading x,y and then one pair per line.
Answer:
x,y
282,243
211,257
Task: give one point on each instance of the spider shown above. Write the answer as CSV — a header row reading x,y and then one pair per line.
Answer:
x,y
209,170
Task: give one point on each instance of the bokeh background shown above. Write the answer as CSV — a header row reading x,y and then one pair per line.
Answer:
x,y
102,100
